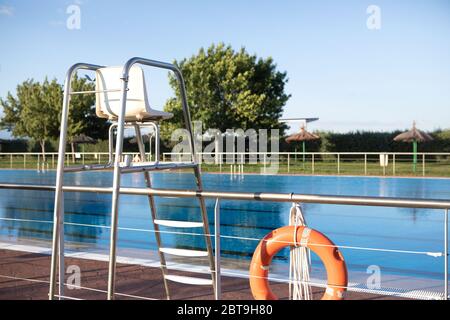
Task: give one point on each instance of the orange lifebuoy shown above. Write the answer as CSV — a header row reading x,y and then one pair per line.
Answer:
x,y
305,237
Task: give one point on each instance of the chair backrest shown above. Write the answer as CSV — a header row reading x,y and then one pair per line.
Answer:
x,y
107,104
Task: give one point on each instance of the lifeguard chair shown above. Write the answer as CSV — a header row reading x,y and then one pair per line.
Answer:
x,y
107,102
121,97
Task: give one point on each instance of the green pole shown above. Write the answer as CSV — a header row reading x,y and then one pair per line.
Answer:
x,y
414,155
304,150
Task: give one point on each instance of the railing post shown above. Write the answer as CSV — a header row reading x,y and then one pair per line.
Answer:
x,y
265,155
446,254
423,164
24,161
393,164
288,162
11,161
338,163
218,292
365,164
312,162
61,266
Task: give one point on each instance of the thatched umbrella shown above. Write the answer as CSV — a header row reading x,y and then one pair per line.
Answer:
x,y
80,139
302,136
146,138
415,136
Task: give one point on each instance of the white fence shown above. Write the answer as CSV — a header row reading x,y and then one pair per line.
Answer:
x,y
367,163
361,163
35,160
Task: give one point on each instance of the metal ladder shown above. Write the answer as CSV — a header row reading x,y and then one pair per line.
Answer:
x,y
120,167
162,251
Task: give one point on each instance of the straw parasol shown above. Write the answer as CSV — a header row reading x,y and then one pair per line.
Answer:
x,y
415,136
302,136
80,139
146,138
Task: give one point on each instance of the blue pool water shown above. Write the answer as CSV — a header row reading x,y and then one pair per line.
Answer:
x,y
374,227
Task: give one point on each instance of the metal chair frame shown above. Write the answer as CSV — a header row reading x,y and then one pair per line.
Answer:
x,y
118,167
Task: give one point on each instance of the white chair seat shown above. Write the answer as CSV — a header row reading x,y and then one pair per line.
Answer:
x,y
108,97
155,115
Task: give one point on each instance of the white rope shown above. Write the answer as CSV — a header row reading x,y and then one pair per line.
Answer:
x,y
435,254
67,297
134,296
428,253
300,260
23,279
27,220
75,287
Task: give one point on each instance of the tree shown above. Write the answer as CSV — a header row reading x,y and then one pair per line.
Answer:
x,y
34,112
82,117
229,89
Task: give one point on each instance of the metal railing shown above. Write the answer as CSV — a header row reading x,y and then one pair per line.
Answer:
x,y
35,160
359,163
341,163
272,197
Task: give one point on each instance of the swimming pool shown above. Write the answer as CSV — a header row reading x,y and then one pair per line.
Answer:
x,y
373,227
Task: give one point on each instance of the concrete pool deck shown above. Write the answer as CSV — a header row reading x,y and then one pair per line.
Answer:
x,y
133,282
139,277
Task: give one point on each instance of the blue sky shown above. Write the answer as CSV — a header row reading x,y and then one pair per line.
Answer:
x,y
339,70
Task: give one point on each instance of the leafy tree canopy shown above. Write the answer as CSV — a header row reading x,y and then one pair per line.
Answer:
x,y
82,117
229,89
35,111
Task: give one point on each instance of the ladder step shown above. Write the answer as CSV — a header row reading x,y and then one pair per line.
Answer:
x,y
152,166
178,224
184,252
189,280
